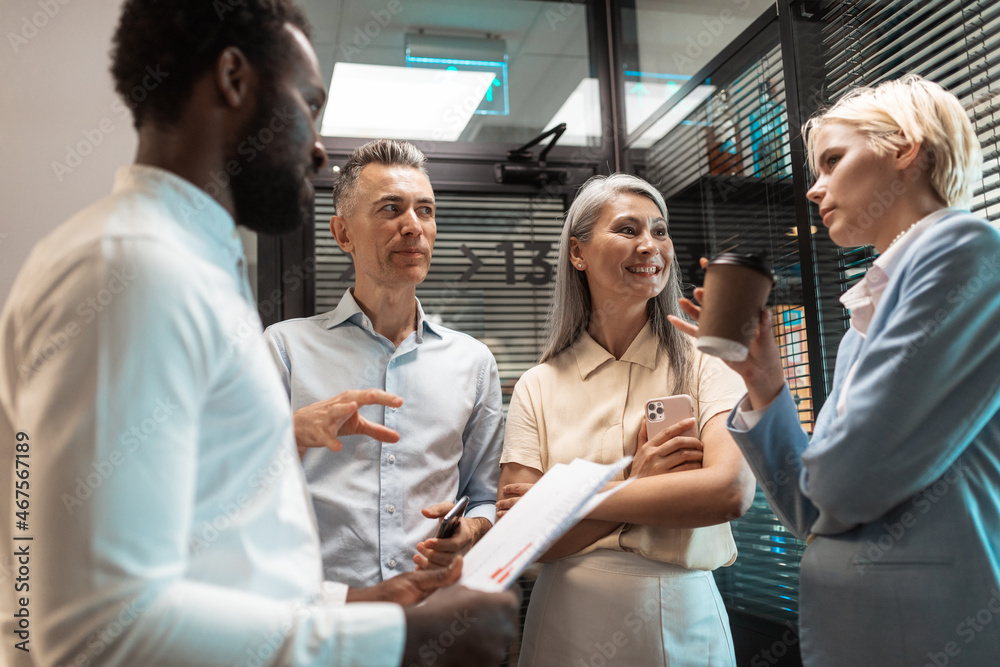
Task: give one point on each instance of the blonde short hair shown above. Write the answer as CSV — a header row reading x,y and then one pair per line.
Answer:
x,y
911,109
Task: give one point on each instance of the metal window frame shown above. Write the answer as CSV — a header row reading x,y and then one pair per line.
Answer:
x,y
793,25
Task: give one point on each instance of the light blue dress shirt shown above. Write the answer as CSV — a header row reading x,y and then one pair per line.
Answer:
x,y
368,496
168,512
900,487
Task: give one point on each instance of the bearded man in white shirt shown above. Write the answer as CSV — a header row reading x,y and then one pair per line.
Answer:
x,y
166,519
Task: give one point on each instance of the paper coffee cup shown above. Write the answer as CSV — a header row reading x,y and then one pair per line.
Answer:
x,y
736,290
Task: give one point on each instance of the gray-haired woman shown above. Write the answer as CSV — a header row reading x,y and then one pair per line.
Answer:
x,y
632,583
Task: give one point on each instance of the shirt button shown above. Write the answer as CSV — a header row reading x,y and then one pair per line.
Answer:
x,y
390,509
392,458
391,563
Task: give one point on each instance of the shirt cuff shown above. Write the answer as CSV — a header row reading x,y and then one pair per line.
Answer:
x,y
369,634
334,593
487,510
744,419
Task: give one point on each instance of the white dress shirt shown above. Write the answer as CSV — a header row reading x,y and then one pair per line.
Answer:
x,y
368,496
168,514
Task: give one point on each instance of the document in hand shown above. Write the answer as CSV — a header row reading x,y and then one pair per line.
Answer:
x,y
563,496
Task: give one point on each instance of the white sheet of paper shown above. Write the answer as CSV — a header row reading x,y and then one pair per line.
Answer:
x,y
563,496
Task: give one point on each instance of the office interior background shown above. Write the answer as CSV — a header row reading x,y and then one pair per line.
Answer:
x,y
703,98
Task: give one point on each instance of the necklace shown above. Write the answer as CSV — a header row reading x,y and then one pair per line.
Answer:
x,y
899,236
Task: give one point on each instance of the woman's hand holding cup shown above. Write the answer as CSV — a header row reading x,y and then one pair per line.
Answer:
x,y
761,369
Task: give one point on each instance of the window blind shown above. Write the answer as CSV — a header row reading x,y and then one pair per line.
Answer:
x,y
491,275
725,172
953,42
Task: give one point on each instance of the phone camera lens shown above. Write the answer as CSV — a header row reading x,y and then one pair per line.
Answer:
x,y
659,410
652,416
651,407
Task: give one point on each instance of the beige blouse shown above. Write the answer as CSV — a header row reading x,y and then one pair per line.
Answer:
x,y
586,404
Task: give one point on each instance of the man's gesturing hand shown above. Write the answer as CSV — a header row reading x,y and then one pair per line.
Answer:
x,y
319,424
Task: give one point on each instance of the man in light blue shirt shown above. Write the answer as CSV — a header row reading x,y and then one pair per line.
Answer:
x,y
375,502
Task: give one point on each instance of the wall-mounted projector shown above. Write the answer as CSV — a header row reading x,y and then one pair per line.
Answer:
x,y
522,169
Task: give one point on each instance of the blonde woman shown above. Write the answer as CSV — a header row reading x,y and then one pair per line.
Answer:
x,y
898,491
632,584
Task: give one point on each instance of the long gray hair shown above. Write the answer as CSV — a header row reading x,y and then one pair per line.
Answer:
x,y
572,308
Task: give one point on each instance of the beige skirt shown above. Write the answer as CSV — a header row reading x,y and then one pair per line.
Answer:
x,y
610,608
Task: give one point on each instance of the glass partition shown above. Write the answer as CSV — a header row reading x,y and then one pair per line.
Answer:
x,y
723,164
469,71
663,45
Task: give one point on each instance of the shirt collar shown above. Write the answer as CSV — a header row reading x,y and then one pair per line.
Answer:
x,y
890,259
862,299
348,310
191,206
590,355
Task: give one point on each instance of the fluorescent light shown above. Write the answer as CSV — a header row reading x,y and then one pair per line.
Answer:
x,y
678,113
402,102
582,114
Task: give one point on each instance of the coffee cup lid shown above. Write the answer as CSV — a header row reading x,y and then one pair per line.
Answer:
x,y
755,262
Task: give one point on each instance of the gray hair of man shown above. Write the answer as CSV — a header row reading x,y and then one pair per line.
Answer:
x,y
389,152
572,307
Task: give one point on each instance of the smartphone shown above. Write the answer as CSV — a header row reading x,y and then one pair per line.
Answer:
x,y
449,523
667,411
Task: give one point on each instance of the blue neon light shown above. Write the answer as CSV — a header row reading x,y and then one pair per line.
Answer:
x,y
452,61
473,63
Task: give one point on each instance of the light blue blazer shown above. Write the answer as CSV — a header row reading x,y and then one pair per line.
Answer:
x,y
902,492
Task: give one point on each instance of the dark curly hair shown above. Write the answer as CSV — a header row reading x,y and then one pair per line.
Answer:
x,y
161,47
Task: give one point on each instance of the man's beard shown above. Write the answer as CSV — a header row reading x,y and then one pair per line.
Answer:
x,y
269,194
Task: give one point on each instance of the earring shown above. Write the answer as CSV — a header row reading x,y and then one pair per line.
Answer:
x,y
580,265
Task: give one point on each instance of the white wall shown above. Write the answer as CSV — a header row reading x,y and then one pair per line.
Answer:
x,y
55,95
